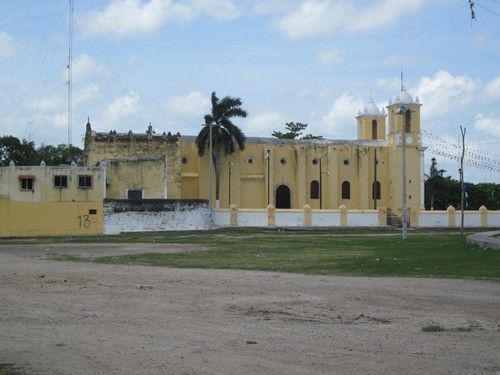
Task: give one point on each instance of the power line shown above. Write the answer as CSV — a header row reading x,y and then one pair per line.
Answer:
x,y
489,10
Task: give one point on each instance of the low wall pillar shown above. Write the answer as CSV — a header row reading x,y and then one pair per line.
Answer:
x,y
233,215
271,216
484,216
382,216
451,216
307,215
343,215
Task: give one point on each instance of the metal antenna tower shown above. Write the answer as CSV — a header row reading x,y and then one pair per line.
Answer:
x,y
70,72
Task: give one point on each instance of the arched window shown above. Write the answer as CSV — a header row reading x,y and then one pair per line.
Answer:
x,y
374,129
391,119
376,192
346,190
314,189
408,122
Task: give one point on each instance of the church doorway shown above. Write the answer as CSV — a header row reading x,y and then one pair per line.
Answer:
x,y
283,197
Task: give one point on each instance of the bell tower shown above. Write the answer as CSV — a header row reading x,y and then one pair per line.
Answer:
x,y
410,121
371,122
406,156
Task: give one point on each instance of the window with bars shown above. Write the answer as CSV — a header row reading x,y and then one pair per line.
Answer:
x,y
84,182
26,182
60,182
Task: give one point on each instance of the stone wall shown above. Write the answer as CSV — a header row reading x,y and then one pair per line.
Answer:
x,y
111,146
155,215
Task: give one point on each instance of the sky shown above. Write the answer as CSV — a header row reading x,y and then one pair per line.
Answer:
x,y
318,62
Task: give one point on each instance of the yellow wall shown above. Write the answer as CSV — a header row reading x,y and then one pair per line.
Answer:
x,y
47,210
50,218
43,184
190,172
148,175
301,165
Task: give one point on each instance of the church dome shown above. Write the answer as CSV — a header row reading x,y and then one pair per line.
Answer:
x,y
371,109
403,98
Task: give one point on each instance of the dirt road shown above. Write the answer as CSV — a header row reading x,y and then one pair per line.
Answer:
x,y
84,318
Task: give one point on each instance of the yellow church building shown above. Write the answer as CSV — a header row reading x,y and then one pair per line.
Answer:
x,y
365,173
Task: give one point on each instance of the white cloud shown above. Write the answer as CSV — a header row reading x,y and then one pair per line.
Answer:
x,y
488,125
340,119
221,9
264,124
444,93
192,105
263,7
84,66
123,106
492,89
131,17
313,18
89,92
7,47
324,17
330,57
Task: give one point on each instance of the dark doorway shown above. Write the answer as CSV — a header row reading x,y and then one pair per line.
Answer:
x,y
282,197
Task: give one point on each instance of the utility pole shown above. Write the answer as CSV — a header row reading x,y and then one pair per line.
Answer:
x,y
462,190
403,110
320,186
375,185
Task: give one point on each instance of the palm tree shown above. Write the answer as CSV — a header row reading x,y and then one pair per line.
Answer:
x,y
225,135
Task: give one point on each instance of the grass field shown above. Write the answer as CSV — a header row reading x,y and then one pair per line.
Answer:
x,y
315,252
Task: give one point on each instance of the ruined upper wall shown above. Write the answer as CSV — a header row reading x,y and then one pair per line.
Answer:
x,y
111,146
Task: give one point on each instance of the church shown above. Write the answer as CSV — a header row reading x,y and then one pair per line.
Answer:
x,y
364,174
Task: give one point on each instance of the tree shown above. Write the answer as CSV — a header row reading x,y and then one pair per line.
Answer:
x,y
482,194
294,130
225,135
310,136
440,191
21,153
25,153
61,154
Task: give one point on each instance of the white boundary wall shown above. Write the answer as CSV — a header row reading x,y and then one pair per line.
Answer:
x,y
446,219
433,219
197,217
326,219
296,218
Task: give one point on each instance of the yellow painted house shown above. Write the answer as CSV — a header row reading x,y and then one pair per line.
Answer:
x,y
365,173
40,200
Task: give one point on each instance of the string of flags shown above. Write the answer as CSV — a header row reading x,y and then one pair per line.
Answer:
x,y
441,147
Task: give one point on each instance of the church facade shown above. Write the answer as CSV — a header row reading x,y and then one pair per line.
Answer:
x,y
365,173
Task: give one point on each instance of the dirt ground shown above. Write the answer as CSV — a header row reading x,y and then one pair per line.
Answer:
x,y
84,318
